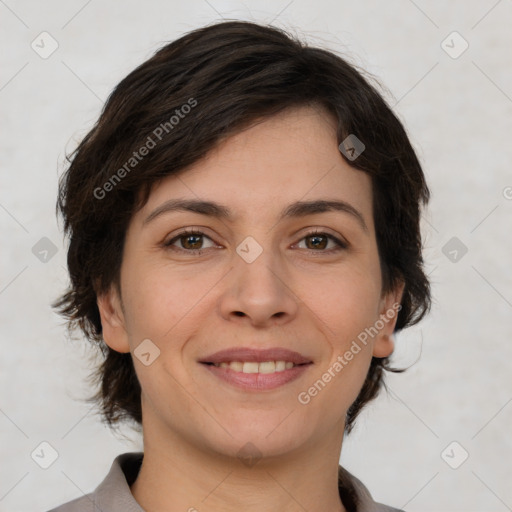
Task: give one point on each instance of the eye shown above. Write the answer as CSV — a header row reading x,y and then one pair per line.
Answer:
x,y
319,241
190,241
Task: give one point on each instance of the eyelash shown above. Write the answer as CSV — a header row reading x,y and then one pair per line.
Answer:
x,y
188,232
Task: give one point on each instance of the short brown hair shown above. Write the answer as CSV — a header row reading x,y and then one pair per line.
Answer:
x,y
236,72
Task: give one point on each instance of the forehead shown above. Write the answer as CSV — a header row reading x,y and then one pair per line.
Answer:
x,y
275,161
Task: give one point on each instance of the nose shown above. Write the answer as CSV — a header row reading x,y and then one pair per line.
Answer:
x,y
259,292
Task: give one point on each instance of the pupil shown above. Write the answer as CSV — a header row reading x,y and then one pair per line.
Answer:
x,y
322,245
192,237
313,239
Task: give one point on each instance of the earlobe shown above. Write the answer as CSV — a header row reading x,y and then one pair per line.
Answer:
x,y
384,343
113,321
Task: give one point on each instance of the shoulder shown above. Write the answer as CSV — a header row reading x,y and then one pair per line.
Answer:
x,y
385,508
83,504
360,498
113,493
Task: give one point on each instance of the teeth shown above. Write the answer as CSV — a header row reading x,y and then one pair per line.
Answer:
x,y
237,366
267,367
251,367
255,367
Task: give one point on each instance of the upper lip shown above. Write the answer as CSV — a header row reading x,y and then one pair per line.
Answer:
x,y
256,355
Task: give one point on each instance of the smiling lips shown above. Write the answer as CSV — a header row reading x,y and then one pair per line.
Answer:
x,y
255,367
251,369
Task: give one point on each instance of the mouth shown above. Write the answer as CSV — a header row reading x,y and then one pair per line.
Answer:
x,y
256,370
255,367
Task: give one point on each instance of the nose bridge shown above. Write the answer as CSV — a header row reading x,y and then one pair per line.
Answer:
x,y
258,287
258,265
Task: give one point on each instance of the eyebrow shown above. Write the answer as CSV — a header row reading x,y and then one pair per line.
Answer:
x,y
297,209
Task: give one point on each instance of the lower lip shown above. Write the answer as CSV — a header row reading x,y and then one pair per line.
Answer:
x,y
257,381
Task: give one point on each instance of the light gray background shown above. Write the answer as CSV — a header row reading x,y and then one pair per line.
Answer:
x,y
458,114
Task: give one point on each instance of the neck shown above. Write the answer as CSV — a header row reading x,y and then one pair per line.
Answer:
x,y
177,475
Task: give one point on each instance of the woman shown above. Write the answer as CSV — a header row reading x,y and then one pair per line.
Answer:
x,y
244,242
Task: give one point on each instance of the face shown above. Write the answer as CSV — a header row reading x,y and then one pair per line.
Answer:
x,y
262,276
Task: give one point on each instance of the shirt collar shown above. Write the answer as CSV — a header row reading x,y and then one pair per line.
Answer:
x,y
114,495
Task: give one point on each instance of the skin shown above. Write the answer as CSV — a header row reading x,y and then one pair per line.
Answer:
x,y
309,298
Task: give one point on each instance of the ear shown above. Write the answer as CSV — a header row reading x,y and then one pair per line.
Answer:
x,y
389,307
113,321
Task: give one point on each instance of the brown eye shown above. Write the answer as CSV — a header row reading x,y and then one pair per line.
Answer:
x,y
318,241
190,241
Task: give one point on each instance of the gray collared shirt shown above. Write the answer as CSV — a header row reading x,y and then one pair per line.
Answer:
x,y
113,493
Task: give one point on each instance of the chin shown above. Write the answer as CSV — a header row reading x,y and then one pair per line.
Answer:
x,y
270,436
250,448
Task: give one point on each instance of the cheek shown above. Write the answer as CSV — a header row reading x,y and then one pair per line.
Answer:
x,y
340,375
159,300
347,301
160,308
169,308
